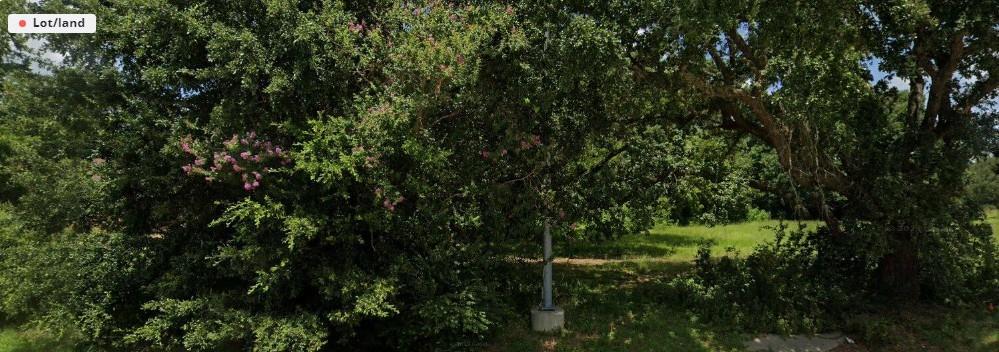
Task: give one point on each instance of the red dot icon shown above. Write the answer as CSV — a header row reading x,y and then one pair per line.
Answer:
x,y
22,23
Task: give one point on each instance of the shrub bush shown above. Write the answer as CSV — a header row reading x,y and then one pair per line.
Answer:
x,y
784,286
814,281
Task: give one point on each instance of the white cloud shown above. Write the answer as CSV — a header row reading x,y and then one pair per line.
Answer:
x,y
899,83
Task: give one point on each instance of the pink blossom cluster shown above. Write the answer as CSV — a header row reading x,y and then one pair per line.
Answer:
x,y
245,158
357,27
96,164
388,203
531,142
370,160
525,144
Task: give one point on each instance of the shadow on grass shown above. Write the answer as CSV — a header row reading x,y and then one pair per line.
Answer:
x,y
618,307
613,250
929,327
659,245
627,306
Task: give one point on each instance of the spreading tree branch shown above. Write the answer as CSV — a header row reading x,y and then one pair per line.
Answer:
x,y
946,64
979,92
757,62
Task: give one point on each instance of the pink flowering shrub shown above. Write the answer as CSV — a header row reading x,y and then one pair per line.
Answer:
x,y
524,144
387,202
357,27
243,159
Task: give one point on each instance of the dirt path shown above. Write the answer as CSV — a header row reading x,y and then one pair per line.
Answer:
x,y
594,261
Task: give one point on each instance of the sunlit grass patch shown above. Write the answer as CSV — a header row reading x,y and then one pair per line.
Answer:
x,y
680,243
992,218
15,340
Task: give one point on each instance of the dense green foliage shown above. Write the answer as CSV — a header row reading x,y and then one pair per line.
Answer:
x,y
983,183
316,175
324,175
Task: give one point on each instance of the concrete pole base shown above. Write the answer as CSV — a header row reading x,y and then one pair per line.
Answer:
x,y
547,320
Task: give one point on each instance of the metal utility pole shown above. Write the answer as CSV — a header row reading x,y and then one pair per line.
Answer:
x,y
547,317
546,290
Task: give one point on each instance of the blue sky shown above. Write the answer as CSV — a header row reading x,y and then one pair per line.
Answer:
x,y
896,82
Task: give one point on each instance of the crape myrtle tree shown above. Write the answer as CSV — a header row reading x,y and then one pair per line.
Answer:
x,y
308,175
884,165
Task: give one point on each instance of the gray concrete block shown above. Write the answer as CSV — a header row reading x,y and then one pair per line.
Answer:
x,y
547,320
796,343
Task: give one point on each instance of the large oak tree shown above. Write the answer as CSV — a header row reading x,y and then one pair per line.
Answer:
x,y
797,76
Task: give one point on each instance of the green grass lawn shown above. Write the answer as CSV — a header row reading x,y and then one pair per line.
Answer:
x,y
680,243
619,305
15,340
992,217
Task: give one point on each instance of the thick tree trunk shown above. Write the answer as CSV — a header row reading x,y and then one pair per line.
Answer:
x,y
898,271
